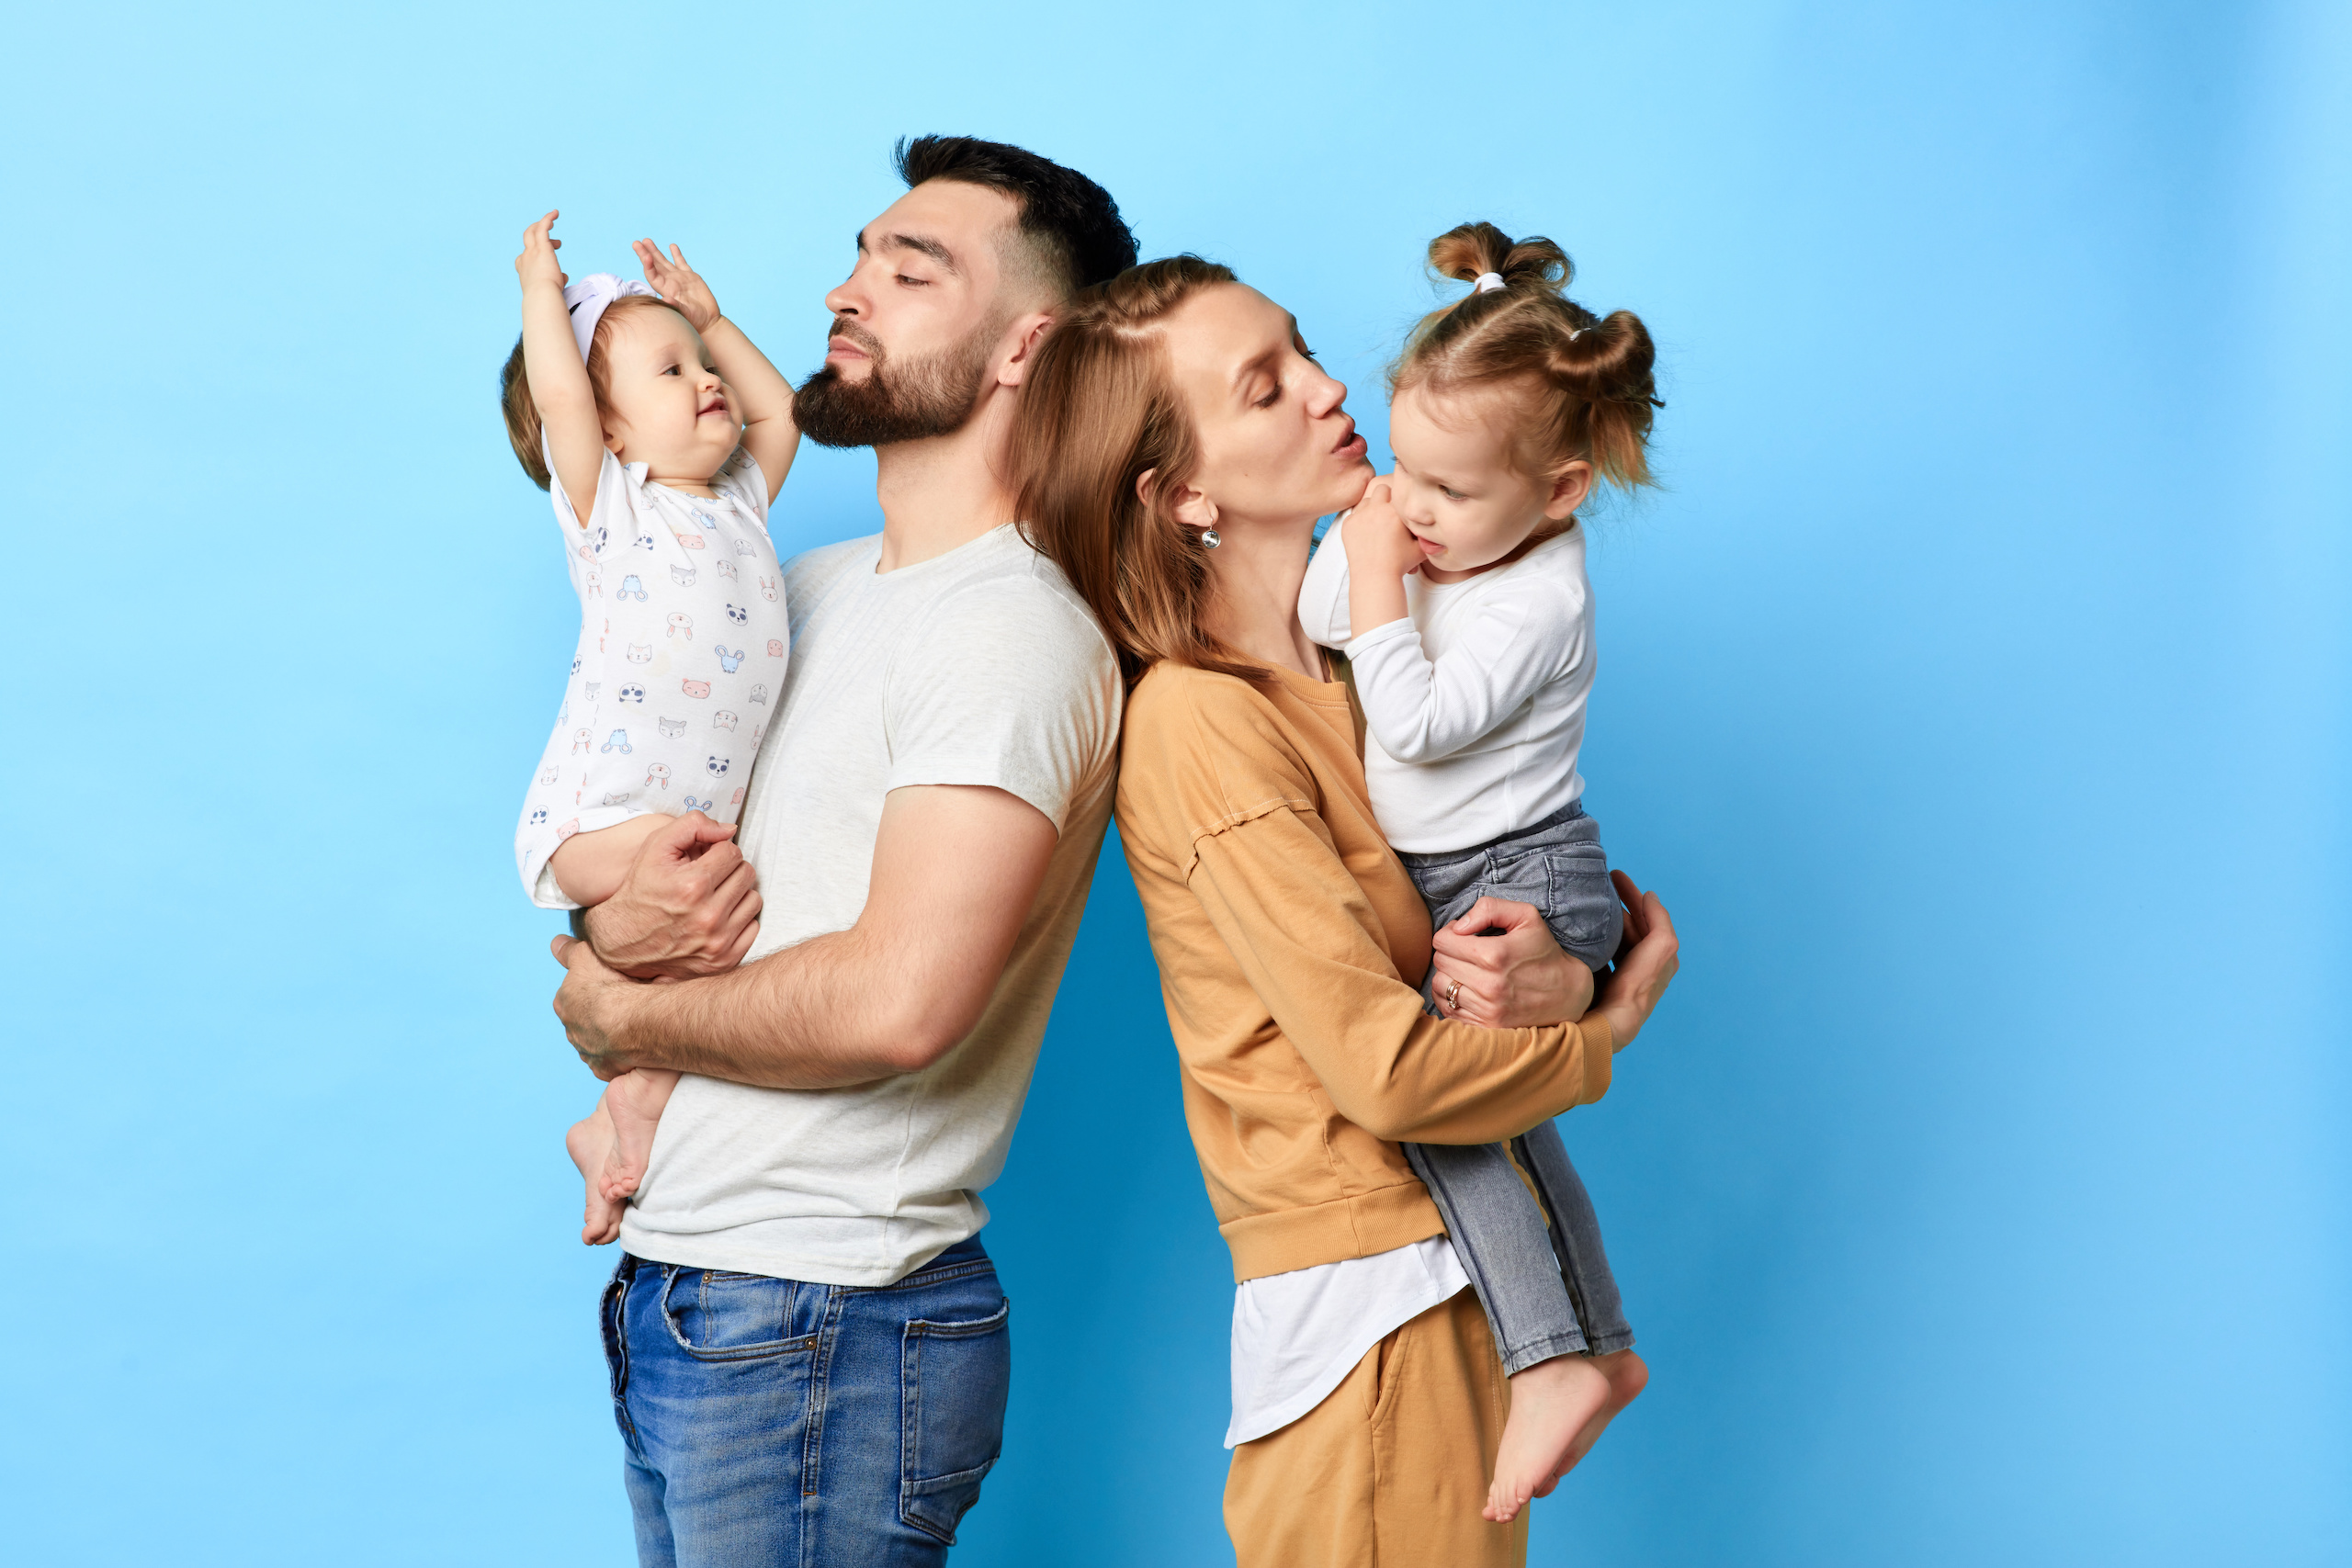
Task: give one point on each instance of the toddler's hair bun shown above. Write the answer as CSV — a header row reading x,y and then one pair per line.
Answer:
x,y
1469,250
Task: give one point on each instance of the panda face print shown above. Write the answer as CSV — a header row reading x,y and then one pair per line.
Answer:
x,y
739,615
717,766
632,694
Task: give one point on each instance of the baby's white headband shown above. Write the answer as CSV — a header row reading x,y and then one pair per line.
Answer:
x,y
1489,281
587,298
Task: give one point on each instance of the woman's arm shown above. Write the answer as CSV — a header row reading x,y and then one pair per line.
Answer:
x,y
1520,976
557,379
1294,919
769,435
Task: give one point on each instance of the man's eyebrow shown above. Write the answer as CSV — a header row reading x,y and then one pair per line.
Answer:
x,y
928,246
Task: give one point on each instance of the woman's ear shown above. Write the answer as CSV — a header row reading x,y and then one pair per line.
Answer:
x,y
1569,488
1188,505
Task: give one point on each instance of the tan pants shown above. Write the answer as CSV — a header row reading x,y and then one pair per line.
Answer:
x,y
1390,1471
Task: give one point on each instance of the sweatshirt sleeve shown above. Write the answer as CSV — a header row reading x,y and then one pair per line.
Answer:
x,y
1323,597
1424,712
1278,894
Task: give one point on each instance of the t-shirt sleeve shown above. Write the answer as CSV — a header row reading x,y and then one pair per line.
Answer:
x,y
610,511
741,478
1011,685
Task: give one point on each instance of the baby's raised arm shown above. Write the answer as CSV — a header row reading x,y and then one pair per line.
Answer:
x,y
769,435
558,381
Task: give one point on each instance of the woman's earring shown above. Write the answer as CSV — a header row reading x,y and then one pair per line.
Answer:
x,y
1209,538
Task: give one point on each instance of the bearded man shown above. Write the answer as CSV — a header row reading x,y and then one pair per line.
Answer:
x,y
809,1349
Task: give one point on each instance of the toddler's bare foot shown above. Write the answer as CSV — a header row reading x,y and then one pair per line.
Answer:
x,y
1628,1374
634,1100
1551,1403
590,1144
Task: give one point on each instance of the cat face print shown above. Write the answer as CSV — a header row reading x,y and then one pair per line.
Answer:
x,y
672,728
640,653
722,719
684,576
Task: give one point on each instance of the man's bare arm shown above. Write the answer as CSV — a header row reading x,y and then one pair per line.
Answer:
x,y
955,869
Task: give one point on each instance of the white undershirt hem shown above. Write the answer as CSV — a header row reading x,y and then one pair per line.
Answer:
x,y
1297,1336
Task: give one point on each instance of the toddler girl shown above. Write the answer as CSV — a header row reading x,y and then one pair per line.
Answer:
x,y
1458,594
662,435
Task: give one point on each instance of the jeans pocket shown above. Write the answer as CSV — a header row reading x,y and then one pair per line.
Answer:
x,y
1583,910
730,1317
955,1379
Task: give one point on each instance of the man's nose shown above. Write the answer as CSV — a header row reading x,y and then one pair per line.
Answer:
x,y
846,297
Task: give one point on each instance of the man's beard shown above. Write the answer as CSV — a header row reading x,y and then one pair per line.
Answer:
x,y
925,397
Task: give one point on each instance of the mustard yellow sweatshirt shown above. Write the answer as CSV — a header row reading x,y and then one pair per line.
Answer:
x,y
1291,947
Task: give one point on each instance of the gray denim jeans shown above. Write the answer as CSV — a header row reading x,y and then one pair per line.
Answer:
x,y
1536,1259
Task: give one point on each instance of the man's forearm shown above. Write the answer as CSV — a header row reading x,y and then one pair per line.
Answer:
x,y
813,1015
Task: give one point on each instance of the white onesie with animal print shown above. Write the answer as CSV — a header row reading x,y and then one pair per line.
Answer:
x,y
682,642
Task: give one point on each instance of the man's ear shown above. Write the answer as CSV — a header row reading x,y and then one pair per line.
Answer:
x,y
1018,347
1188,505
1570,486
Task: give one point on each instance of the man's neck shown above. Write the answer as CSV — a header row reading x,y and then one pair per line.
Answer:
x,y
943,493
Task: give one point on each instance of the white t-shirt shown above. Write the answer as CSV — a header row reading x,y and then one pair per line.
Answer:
x,y
978,667
1475,701
682,650
1297,1336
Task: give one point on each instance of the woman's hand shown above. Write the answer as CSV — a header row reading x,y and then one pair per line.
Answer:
x,y
1518,978
537,265
680,286
1647,961
688,907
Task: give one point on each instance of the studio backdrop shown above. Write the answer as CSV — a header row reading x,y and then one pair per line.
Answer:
x,y
1974,692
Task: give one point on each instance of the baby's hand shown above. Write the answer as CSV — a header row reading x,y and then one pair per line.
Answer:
x,y
537,265
680,286
1377,542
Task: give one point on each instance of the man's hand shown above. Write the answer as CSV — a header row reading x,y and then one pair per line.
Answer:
x,y
689,906
1516,980
592,1002
1377,542
537,265
680,286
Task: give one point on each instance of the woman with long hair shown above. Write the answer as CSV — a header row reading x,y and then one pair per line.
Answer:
x,y
1179,442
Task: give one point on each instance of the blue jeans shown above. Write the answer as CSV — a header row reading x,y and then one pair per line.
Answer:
x,y
774,1422
1536,1259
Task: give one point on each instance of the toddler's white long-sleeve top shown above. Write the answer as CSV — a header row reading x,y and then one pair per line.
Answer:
x,y
1475,701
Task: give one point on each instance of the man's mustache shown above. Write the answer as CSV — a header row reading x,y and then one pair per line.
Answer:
x,y
858,335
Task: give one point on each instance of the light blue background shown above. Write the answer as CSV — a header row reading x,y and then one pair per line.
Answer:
x,y
1976,694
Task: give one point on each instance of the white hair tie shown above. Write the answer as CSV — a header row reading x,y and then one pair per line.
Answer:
x,y
587,299
1489,281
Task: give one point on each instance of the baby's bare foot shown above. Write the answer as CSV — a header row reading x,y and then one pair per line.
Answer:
x,y
590,1144
634,1101
1628,1374
1551,1403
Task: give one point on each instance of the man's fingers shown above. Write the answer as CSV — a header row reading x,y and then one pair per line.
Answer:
x,y
730,893
559,947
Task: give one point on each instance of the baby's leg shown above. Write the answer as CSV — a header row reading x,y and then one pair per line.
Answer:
x,y
634,1100
1502,1236
590,1144
1584,1264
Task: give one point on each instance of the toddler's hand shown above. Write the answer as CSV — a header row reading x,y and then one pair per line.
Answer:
x,y
1377,542
680,286
537,265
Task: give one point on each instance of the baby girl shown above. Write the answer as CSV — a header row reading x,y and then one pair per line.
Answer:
x,y
661,436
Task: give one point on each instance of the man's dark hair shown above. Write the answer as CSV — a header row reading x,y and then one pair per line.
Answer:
x,y
1072,222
